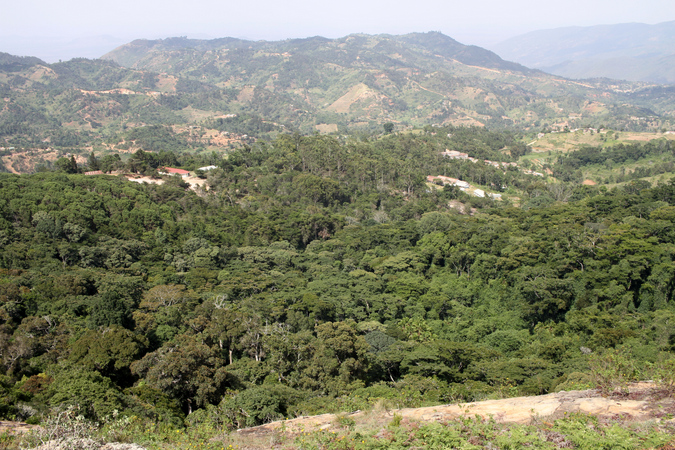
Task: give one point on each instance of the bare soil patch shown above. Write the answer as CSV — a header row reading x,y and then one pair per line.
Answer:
x,y
246,94
645,137
15,427
140,179
25,161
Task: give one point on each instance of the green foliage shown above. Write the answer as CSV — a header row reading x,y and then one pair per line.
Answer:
x,y
613,370
323,273
318,274
9,397
259,404
109,351
111,309
94,395
67,165
186,369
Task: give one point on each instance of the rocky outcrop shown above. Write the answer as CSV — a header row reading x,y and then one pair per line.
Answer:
x,y
642,402
86,444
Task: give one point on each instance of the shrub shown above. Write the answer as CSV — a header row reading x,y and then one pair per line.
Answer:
x,y
613,369
259,404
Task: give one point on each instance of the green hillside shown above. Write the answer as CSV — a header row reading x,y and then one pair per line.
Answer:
x,y
371,222
219,94
419,78
322,274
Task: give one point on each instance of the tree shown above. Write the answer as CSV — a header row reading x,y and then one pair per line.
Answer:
x,y
94,395
73,165
259,404
186,369
341,356
92,162
226,329
109,351
164,296
388,127
66,165
111,308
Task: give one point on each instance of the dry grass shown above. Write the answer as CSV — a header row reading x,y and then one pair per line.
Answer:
x,y
353,95
566,142
327,127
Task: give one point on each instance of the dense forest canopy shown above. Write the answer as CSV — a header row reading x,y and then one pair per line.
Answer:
x,y
316,269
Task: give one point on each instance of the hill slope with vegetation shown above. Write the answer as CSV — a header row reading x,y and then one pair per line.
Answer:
x,y
412,79
320,275
216,94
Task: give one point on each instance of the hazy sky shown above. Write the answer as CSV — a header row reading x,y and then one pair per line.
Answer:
x,y
55,29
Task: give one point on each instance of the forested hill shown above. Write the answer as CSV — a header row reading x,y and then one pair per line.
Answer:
x,y
203,89
322,275
412,79
11,63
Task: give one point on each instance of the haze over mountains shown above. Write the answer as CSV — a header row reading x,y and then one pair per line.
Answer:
x,y
629,51
54,49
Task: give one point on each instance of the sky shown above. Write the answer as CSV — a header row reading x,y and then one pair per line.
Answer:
x,y
63,29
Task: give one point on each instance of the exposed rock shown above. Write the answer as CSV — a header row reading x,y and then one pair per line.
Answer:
x,y
70,444
86,444
118,446
642,402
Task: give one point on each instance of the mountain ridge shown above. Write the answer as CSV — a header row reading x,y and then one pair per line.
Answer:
x,y
412,78
468,54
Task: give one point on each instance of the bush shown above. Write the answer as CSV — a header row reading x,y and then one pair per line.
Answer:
x,y
93,395
613,370
259,404
65,428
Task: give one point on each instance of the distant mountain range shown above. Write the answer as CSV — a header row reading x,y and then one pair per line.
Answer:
x,y
631,51
360,79
358,82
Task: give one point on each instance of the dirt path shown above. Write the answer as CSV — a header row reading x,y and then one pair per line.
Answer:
x,y
428,90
